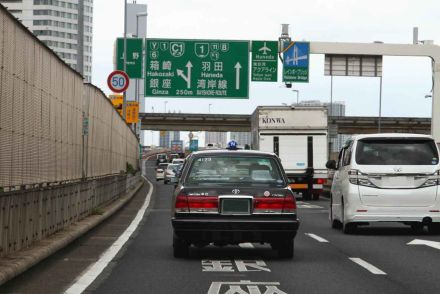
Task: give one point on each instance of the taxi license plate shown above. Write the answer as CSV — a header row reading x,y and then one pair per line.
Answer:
x,y
236,206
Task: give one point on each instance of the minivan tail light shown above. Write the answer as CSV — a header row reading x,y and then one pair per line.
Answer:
x,y
355,177
433,180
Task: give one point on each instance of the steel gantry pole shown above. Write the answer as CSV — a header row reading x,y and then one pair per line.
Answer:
x,y
425,50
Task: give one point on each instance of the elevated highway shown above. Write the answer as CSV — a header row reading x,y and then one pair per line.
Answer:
x,y
242,123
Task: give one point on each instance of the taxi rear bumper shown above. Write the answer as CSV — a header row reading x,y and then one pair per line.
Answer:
x,y
235,230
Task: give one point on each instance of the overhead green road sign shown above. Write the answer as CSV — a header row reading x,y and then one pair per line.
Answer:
x,y
264,61
134,57
197,68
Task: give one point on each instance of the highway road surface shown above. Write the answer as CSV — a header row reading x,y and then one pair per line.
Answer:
x,y
376,259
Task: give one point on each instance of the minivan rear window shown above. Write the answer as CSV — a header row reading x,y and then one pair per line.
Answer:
x,y
396,152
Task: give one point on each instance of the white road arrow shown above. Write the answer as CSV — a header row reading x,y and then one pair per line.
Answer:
x,y
237,75
187,77
432,244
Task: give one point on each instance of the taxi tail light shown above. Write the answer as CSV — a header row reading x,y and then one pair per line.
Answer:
x,y
181,204
203,203
289,204
275,205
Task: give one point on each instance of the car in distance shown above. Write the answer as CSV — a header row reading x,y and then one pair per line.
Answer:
x,y
386,178
161,158
170,173
229,197
178,161
160,171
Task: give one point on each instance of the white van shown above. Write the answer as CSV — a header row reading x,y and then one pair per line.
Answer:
x,y
386,178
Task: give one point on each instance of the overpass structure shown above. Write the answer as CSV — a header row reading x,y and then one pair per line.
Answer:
x,y
242,123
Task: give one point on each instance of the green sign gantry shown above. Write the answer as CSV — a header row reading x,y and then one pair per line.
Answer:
x,y
134,57
264,61
197,68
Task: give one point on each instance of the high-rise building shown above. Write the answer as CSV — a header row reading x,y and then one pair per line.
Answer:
x,y
65,26
242,138
165,138
217,139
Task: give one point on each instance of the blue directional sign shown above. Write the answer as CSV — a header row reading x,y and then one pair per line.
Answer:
x,y
296,62
194,145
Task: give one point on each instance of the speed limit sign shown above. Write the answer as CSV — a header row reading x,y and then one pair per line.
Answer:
x,y
118,81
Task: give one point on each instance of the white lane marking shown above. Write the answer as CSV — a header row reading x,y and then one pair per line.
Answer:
x,y
368,266
94,270
432,244
246,245
316,237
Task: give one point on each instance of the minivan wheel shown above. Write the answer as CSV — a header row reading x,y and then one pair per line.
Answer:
x,y
434,228
180,247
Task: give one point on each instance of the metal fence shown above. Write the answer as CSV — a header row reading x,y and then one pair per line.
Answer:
x,y
44,109
32,215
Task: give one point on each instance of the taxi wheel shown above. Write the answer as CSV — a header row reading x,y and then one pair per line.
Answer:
x,y
180,247
285,249
434,228
307,196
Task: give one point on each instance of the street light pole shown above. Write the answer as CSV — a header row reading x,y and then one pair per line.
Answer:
x,y
124,97
380,107
136,81
297,96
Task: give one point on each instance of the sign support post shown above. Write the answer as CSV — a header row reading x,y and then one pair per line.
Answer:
x,y
124,101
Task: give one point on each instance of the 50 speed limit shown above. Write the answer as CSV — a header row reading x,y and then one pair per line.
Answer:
x,y
118,81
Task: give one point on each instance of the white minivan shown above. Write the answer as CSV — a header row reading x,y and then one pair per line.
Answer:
x,y
386,178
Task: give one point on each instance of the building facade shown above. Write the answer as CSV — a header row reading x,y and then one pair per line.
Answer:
x,y
242,138
66,26
217,139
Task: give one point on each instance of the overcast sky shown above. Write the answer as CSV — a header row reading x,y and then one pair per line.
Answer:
x,y
406,80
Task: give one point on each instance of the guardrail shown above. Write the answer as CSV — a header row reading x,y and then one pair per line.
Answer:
x,y
27,216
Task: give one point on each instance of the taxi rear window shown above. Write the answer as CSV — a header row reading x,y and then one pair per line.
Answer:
x,y
236,170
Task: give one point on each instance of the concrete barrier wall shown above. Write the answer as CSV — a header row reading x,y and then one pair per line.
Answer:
x,y
44,107
28,216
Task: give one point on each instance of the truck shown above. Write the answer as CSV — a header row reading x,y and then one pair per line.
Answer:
x,y
298,135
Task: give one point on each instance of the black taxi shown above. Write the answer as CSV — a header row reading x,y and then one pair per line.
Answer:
x,y
233,196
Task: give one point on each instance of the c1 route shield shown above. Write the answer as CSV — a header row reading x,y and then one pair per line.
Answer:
x,y
296,62
197,68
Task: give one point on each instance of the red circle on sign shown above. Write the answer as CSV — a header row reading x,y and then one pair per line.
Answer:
x,y
118,81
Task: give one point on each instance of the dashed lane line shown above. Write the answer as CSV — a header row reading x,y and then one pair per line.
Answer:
x,y
95,269
368,266
317,238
